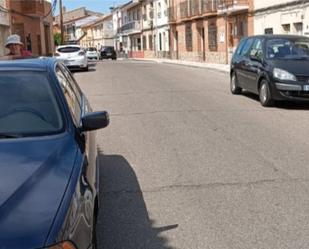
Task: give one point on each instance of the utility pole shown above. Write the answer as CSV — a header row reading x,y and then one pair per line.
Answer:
x,y
61,22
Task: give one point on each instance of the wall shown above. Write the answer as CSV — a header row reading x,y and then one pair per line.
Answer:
x,y
71,15
259,4
36,30
4,27
295,16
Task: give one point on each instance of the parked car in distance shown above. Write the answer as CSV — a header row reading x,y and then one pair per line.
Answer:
x,y
48,161
108,53
92,53
276,67
73,56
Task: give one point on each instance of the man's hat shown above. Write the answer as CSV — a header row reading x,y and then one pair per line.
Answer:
x,y
13,39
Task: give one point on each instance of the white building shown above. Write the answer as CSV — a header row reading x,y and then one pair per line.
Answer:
x,y
103,35
281,17
155,28
162,28
117,23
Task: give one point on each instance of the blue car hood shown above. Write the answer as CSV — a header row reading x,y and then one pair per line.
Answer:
x,y
33,178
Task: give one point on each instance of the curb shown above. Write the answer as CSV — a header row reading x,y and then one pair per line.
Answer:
x,y
205,66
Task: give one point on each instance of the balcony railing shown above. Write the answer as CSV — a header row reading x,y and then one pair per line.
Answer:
x,y
232,5
184,13
172,14
208,6
191,8
131,27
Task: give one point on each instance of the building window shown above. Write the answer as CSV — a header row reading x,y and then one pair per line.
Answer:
x,y
160,42
212,37
145,13
189,37
243,29
159,10
286,28
144,43
139,47
150,42
298,28
269,31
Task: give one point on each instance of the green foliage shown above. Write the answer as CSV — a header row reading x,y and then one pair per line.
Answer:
x,y
57,39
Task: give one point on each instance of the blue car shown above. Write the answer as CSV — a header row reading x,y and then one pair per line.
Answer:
x,y
48,158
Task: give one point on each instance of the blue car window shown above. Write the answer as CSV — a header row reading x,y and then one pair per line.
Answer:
x,y
28,104
246,48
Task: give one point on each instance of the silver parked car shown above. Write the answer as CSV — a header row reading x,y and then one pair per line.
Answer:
x,y
73,56
92,53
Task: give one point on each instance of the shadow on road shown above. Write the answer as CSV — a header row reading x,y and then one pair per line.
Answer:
x,y
123,221
288,105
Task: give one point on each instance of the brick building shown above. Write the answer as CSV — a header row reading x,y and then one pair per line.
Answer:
x,y
208,30
33,21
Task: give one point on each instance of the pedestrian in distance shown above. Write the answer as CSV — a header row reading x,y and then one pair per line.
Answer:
x,y
16,47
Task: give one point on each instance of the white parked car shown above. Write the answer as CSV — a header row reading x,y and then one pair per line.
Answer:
x,y
92,53
73,56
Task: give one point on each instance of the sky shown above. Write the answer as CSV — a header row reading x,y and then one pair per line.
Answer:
x,y
95,5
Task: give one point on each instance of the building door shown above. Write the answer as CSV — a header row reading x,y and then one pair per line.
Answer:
x,y
202,46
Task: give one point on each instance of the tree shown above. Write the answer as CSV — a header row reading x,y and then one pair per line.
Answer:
x,y
57,39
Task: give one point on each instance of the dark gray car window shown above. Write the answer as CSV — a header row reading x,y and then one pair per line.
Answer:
x,y
247,46
240,46
257,48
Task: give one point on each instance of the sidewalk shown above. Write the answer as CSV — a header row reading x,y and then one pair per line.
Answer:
x,y
220,67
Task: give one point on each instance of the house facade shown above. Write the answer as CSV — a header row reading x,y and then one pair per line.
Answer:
x,y
281,17
155,28
32,20
208,30
102,31
130,30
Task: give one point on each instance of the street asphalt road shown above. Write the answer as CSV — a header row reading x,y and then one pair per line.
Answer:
x,y
184,164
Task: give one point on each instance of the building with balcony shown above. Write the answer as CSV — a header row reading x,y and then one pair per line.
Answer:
x,y
130,30
33,21
281,17
208,30
156,28
103,34
98,33
4,25
117,23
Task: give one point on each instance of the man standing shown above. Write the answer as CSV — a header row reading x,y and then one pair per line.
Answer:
x,y
16,47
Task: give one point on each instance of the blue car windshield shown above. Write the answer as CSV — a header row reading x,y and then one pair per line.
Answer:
x,y
28,105
287,48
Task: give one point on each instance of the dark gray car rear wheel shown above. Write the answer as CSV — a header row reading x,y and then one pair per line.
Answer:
x,y
265,94
235,89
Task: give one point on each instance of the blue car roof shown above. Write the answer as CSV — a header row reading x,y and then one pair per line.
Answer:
x,y
33,64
